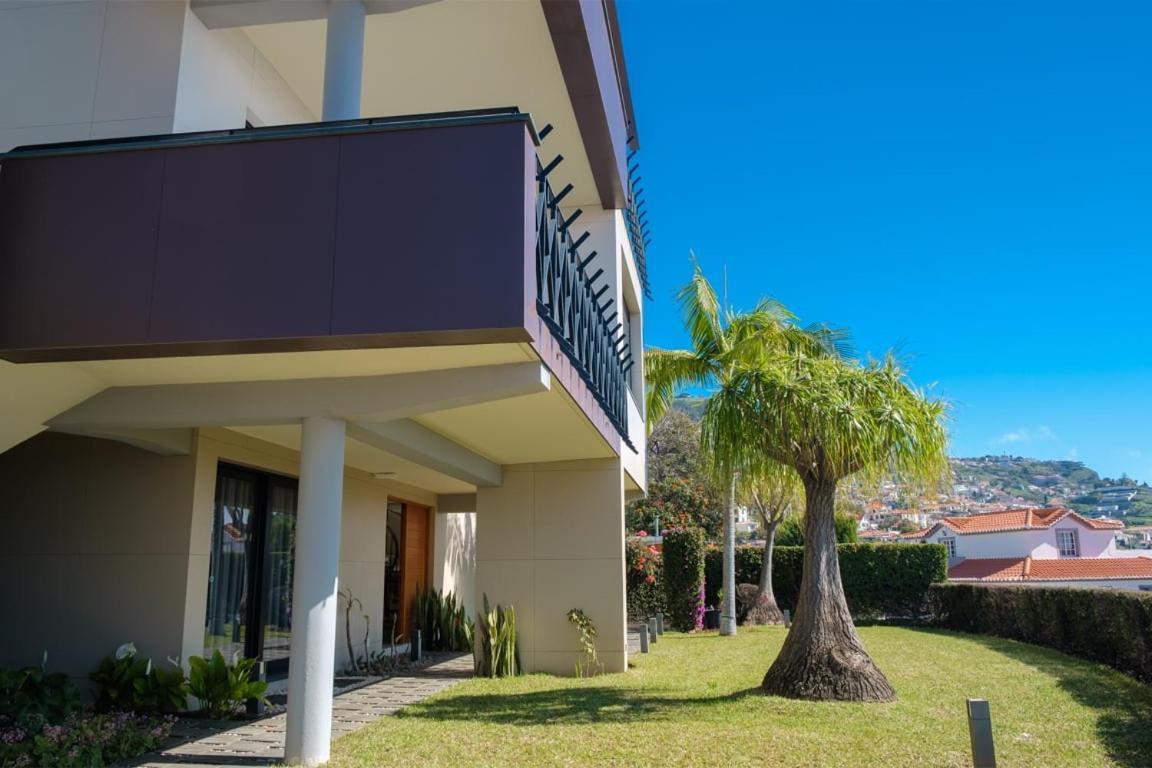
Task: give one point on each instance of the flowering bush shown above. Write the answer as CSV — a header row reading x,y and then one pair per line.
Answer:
x,y
644,579
82,740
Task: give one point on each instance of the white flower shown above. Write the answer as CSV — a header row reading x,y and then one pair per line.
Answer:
x,y
126,650
148,669
174,661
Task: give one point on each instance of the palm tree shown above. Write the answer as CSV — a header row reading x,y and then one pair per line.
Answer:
x,y
775,495
721,342
830,419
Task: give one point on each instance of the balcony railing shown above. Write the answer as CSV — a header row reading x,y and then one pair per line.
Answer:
x,y
637,221
582,320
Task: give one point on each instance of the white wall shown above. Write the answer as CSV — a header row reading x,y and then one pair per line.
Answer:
x,y
454,556
1039,544
224,80
87,69
94,69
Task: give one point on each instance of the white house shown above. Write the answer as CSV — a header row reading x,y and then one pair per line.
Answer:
x,y
1049,546
299,297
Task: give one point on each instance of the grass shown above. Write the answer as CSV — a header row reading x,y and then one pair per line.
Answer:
x,y
694,701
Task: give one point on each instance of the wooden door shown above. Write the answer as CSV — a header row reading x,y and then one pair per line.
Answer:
x,y
414,574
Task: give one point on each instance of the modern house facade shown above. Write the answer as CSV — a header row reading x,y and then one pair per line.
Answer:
x,y
1049,547
307,298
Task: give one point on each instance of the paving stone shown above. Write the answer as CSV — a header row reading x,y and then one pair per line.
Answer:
x,y
204,743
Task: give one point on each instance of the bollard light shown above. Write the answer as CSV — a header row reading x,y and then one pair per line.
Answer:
x,y
980,732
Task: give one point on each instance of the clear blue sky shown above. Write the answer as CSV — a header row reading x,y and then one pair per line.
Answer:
x,y
968,182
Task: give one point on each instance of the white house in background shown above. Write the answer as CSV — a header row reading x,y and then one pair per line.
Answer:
x,y
1050,546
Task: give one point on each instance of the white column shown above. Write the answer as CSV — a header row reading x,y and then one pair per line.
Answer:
x,y
344,60
309,728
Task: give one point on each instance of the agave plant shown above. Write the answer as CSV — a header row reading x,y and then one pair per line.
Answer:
x,y
495,642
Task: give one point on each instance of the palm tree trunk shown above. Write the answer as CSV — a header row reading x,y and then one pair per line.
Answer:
x,y
765,610
822,658
728,606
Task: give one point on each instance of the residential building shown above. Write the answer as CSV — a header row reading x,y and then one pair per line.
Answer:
x,y
1050,546
307,297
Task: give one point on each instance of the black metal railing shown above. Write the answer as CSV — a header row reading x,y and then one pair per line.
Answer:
x,y
584,321
637,221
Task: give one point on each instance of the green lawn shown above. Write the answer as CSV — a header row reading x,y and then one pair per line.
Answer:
x,y
694,701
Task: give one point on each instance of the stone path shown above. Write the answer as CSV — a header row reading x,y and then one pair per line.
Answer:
x,y
261,742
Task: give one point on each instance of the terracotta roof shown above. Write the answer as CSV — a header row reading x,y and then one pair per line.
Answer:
x,y
1021,520
916,534
1062,569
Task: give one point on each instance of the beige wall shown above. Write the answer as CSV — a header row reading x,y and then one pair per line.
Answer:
x,y
93,551
550,539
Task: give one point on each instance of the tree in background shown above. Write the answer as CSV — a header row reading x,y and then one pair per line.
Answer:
x,y
678,502
721,342
775,496
829,419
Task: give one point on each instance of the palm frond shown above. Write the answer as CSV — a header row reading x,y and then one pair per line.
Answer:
x,y
666,372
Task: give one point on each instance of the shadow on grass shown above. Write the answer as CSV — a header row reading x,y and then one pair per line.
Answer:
x,y
1123,704
565,706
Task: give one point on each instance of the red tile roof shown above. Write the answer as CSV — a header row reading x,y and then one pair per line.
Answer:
x,y
1062,569
1021,520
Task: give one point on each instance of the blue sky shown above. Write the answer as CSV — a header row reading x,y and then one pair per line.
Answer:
x,y
968,182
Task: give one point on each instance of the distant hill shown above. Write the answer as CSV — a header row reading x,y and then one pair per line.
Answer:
x,y
1018,479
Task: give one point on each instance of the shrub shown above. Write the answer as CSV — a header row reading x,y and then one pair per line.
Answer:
x,y
684,577
791,531
495,653
879,579
222,688
31,697
442,621
89,740
1109,626
644,577
132,684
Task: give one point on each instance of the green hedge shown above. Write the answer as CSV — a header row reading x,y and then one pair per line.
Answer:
x,y
879,579
683,559
1110,626
645,596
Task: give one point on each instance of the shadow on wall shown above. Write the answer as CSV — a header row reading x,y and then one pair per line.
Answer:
x,y
460,558
1124,706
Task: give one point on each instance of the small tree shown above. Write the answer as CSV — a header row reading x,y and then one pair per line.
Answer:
x,y
829,419
775,496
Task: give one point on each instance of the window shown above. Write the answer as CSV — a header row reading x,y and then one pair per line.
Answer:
x,y
950,544
1068,542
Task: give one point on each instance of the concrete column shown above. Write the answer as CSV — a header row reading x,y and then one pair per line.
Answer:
x,y
548,540
309,728
344,60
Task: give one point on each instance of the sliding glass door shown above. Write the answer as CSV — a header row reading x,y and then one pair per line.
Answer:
x,y
250,568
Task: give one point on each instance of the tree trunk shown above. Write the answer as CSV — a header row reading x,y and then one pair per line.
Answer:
x,y
822,658
765,610
728,605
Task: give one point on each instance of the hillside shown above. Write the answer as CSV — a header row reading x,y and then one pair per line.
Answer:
x,y
1001,481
